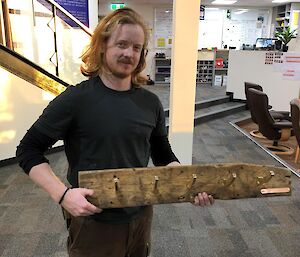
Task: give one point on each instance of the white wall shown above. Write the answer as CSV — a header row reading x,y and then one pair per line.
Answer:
x,y
294,45
93,14
250,66
213,21
242,28
20,105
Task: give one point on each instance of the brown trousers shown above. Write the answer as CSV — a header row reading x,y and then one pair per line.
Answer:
x,y
90,238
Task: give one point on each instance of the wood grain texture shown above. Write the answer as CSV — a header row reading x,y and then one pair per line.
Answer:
x,y
116,188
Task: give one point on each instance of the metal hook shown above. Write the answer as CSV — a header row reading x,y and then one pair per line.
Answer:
x,y
262,180
233,177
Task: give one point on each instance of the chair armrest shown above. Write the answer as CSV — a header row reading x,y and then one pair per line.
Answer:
x,y
281,115
285,113
283,124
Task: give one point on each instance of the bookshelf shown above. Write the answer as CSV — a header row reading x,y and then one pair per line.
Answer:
x,y
162,70
205,68
207,72
282,16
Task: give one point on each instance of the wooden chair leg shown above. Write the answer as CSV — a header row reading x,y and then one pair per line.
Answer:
x,y
297,155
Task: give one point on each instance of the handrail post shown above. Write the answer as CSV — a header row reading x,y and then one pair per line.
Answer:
x,y
55,39
7,34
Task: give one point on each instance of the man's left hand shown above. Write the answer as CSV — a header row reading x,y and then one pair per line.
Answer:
x,y
203,199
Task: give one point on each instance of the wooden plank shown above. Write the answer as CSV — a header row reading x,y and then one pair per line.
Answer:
x,y
117,188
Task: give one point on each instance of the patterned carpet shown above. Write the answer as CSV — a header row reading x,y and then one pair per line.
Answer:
x,y
31,225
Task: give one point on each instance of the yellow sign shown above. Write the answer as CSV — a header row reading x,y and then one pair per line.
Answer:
x,y
295,18
161,42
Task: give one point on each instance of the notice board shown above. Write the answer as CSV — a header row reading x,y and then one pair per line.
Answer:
x,y
163,27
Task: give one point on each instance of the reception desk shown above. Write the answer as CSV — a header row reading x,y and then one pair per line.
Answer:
x,y
250,66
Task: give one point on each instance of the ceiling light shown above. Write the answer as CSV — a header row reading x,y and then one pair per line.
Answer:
x,y
280,1
240,11
224,2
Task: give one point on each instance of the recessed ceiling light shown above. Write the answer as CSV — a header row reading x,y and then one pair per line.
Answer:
x,y
224,2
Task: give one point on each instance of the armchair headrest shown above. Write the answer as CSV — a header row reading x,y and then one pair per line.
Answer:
x,y
253,85
296,102
257,92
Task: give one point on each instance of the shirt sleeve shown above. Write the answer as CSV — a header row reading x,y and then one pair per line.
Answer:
x,y
31,149
57,116
161,151
160,128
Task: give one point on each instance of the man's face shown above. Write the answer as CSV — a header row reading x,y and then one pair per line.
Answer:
x,y
123,49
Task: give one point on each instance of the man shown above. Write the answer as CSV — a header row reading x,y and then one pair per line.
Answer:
x,y
108,121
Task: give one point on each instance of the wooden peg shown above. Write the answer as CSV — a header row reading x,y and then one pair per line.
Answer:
x,y
116,180
280,190
156,181
194,178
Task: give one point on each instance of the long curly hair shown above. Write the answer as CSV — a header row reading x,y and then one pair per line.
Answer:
x,y
94,57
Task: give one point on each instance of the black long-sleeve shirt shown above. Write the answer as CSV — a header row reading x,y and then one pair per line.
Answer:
x,y
102,129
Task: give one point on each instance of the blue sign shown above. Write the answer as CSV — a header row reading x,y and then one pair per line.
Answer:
x,y
78,8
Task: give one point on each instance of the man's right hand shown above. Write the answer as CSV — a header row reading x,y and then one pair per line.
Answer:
x,y
76,204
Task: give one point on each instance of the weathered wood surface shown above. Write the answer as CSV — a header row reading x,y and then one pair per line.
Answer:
x,y
157,185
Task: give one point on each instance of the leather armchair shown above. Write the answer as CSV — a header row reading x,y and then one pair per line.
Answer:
x,y
277,115
275,130
295,113
280,115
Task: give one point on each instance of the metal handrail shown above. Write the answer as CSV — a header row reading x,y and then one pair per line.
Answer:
x,y
54,8
29,71
70,16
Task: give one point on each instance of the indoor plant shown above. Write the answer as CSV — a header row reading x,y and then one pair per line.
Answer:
x,y
284,36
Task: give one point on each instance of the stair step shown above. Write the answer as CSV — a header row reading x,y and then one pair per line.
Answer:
x,y
206,103
218,111
211,102
215,112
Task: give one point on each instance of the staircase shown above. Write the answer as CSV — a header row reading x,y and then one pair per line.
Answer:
x,y
213,108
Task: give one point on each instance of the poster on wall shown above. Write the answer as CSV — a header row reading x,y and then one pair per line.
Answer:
x,y
296,19
288,64
78,8
291,66
163,28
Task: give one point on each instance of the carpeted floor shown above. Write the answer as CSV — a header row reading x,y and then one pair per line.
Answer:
x,y
31,225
